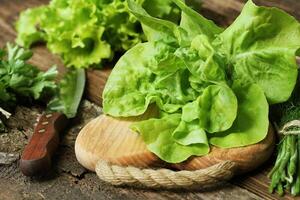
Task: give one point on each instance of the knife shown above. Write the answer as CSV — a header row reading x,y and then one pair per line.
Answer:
x,y
37,156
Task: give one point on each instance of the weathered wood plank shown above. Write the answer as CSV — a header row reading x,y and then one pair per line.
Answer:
x,y
258,182
223,12
96,80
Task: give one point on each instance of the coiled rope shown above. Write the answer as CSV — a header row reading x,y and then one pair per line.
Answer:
x,y
165,178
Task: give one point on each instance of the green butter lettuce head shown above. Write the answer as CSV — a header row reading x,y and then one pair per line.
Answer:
x,y
212,86
87,32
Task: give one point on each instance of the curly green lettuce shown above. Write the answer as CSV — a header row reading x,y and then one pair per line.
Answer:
x,y
212,86
87,32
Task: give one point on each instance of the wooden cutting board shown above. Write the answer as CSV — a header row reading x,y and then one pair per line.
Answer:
x,y
110,139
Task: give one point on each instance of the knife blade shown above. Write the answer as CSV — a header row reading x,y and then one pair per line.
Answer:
x,y
37,156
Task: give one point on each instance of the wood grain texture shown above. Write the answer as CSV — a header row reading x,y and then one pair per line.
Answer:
x,y
96,80
225,12
111,139
247,158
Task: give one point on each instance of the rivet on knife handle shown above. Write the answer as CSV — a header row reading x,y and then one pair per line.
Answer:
x,y
37,155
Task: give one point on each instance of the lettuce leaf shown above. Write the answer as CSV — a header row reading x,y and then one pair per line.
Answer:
x,y
157,134
135,83
251,124
212,86
260,46
73,31
196,24
69,93
87,32
162,9
156,29
215,109
28,27
143,87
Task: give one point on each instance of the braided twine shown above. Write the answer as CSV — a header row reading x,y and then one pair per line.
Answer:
x,y
290,128
165,178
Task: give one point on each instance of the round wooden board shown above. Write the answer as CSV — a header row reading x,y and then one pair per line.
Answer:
x,y
111,139
247,158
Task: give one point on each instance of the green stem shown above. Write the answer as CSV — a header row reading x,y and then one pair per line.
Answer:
x,y
280,151
295,190
274,175
292,167
279,171
279,189
285,159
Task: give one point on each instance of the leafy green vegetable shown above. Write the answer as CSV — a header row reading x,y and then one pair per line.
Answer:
x,y
162,9
196,24
28,25
286,171
69,94
19,79
214,110
212,86
86,32
22,82
260,46
161,143
251,123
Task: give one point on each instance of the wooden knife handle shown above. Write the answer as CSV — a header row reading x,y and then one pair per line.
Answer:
x,y
36,157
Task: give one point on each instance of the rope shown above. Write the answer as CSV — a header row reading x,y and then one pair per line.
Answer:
x,y
165,178
289,128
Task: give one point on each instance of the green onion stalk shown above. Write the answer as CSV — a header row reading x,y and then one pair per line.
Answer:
x,y
285,174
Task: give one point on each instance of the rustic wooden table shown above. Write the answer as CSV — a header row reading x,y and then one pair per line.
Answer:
x,y
69,180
